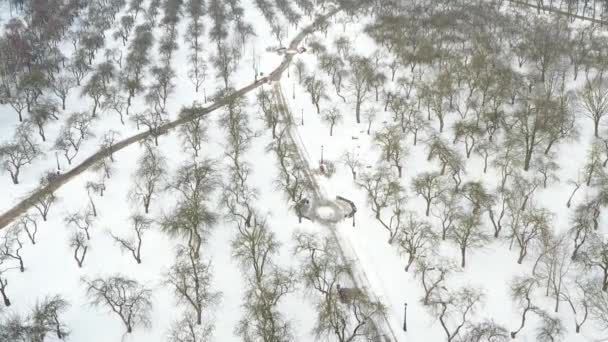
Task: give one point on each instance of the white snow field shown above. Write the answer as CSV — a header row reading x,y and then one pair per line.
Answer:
x,y
377,265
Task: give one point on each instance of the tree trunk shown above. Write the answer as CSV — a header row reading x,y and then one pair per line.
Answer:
x,y
7,301
463,254
409,262
596,124
522,254
527,159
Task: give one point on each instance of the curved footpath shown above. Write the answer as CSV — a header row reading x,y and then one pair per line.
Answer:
x,y
9,216
357,274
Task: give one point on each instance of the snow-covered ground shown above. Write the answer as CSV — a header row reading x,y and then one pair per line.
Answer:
x,y
50,268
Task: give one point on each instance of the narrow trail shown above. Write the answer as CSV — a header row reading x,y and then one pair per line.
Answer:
x,y
357,275
25,204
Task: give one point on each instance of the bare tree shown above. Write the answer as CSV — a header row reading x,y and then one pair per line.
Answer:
x,y
415,123
454,309
152,120
151,168
487,331
91,188
578,294
17,101
187,330
547,168
582,225
46,318
429,185
447,211
577,185
432,96
254,247
4,268
415,239
71,136
159,92
370,116
116,102
96,90
226,62
496,206
385,194
521,291
598,309
551,329
79,242
432,276
44,202
124,296
468,233
469,133
29,223
190,278
301,69
332,117
194,131
476,194
527,227
191,218
351,160
41,113
593,101
11,246
317,90
271,111
595,256
553,266
124,28
593,165
140,225
391,141
83,220
19,152
361,72
343,315
448,158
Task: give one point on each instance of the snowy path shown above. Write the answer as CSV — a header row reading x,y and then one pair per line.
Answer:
x,y
7,217
358,274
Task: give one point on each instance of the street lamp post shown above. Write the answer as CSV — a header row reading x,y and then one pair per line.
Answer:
x,y
302,116
405,317
321,154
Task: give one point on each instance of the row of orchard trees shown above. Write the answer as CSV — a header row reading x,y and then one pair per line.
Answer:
x,y
37,77
190,276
